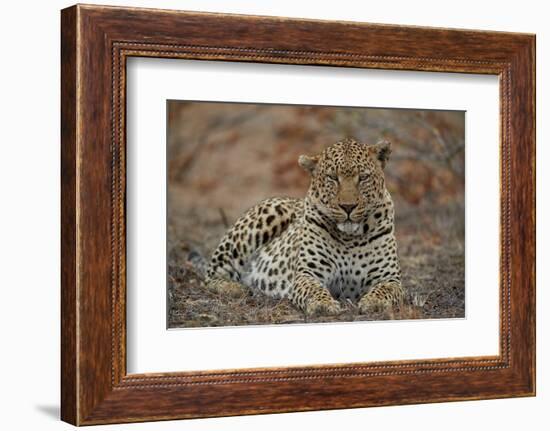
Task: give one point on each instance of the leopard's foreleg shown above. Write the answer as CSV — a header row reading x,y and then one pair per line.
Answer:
x,y
311,297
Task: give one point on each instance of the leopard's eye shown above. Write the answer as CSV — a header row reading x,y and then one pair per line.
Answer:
x,y
332,177
363,178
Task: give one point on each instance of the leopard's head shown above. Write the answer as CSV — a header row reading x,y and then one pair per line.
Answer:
x,y
347,181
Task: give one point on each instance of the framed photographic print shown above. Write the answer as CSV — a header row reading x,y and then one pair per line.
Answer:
x,y
264,214
213,152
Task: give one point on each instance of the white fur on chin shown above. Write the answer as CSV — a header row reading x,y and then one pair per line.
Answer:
x,y
348,227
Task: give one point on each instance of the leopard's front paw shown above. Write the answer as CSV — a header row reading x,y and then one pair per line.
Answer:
x,y
323,306
381,298
372,303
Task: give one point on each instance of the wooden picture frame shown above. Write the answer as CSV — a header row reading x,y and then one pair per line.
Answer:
x,y
96,41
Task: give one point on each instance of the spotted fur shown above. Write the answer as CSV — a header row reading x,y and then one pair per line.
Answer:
x,y
336,243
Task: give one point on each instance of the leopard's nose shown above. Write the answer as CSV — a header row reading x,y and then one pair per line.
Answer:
x,y
348,208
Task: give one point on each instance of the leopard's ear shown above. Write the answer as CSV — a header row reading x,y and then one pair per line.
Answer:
x,y
382,151
308,163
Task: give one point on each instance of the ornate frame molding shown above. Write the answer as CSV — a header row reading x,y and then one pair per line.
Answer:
x,y
96,41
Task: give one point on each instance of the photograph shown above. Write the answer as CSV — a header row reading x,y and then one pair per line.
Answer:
x,y
286,214
273,210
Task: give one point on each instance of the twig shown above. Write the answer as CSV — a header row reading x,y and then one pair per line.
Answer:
x,y
224,218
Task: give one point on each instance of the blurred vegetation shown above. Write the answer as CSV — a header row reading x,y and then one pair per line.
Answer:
x,y
225,157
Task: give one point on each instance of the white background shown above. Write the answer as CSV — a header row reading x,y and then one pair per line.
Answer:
x,y
151,348
29,216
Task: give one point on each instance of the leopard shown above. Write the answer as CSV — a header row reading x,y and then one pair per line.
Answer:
x,y
335,245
